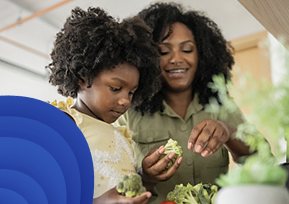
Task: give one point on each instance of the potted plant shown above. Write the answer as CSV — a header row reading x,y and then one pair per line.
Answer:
x,y
260,179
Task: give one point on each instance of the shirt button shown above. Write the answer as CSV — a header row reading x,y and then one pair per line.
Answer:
x,y
189,161
183,128
150,139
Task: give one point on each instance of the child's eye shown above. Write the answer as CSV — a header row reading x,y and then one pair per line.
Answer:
x,y
115,89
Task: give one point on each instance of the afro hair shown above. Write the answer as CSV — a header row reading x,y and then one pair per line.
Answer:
x,y
215,54
92,41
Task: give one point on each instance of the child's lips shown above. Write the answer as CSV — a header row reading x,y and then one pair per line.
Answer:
x,y
117,113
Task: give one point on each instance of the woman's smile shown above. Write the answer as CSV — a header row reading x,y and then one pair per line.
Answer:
x,y
176,73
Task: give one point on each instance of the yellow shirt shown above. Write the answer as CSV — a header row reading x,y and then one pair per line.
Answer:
x,y
111,151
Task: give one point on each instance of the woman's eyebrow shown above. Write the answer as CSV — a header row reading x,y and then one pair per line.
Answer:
x,y
187,41
164,43
184,42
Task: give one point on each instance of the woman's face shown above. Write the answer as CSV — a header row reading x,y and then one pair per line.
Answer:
x,y
111,92
179,58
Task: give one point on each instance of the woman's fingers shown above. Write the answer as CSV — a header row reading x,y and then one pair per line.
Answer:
x,y
171,171
208,136
195,134
153,157
159,165
153,166
201,134
213,144
164,175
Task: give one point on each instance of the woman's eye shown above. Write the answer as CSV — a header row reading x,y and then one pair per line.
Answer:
x,y
131,93
187,51
163,50
163,53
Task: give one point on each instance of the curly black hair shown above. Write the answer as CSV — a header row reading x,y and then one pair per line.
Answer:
x,y
92,41
214,52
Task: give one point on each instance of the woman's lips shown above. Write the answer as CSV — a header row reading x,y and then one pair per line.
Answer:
x,y
176,73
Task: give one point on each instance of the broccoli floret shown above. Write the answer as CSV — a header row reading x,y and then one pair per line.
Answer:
x,y
214,190
207,193
198,194
183,194
172,146
175,194
131,186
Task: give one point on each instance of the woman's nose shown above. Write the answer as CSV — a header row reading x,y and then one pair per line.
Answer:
x,y
176,58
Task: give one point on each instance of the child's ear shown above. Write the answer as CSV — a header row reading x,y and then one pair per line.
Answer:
x,y
82,83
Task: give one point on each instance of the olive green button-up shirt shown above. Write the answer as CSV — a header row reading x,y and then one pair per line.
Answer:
x,y
152,131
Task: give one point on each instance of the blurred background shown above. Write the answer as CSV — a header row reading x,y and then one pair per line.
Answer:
x,y
28,29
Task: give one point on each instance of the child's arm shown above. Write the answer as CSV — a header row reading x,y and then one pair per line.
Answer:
x,y
113,197
153,167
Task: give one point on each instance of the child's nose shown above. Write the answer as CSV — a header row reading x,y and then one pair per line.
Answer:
x,y
124,101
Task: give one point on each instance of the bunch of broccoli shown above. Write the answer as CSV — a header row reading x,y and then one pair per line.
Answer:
x,y
198,194
172,146
131,186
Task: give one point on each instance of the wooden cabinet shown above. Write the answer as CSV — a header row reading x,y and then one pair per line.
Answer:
x,y
252,57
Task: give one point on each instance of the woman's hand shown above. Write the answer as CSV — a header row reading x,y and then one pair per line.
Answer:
x,y
208,136
153,167
113,197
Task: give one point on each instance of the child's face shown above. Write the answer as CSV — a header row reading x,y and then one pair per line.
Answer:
x,y
111,92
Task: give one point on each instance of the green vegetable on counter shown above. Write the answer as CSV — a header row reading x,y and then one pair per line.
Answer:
x,y
172,146
207,193
198,194
131,186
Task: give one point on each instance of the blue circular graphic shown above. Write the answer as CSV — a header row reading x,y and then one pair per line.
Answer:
x,y
10,197
44,157
23,181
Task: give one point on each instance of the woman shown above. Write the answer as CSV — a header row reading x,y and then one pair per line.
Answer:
x,y
192,50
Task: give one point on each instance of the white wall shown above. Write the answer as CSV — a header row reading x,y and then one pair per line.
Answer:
x,y
278,71
277,59
17,81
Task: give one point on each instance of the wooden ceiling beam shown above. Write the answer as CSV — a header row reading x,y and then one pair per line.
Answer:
x,y
37,14
273,15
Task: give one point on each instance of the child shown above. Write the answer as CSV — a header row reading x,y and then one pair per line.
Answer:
x,y
108,66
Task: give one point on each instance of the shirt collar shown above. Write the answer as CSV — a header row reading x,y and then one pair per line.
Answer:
x,y
193,108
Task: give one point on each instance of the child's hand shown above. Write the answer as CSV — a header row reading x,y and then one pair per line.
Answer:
x,y
113,197
153,167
